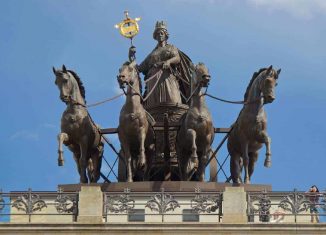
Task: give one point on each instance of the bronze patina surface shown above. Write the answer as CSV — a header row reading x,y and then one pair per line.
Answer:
x,y
78,131
196,133
166,132
249,132
135,135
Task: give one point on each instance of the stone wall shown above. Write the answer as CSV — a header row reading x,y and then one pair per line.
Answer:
x,y
92,218
161,228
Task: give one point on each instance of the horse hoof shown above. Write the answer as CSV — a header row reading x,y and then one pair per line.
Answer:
x,y
141,163
268,163
194,161
60,162
201,179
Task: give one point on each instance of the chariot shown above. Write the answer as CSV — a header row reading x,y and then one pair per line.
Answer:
x,y
164,164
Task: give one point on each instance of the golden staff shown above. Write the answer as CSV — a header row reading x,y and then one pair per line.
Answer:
x,y
129,28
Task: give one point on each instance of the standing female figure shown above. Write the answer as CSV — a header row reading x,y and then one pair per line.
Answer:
x,y
166,70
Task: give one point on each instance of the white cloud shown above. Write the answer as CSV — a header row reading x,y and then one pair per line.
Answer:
x,y
49,126
26,135
304,9
298,8
33,135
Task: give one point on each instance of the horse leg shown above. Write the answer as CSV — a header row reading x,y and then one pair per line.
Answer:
x,y
97,163
203,158
83,160
235,168
253,156
182,167
76,158
97,160
264,138
201,166
75,149
268,160
142,158
182,162
62,138
90,169
245,156
191,134
127,154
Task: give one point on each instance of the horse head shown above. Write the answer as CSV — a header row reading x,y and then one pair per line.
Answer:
x,y
202,77
269,83
70,86
127,74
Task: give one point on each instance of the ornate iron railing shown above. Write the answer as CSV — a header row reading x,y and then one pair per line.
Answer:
x,y
162,206
292,206
33,206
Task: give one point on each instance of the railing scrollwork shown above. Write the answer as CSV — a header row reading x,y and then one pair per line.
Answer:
x,y
204,203
65,204
29,202
162,202
120,203
260,204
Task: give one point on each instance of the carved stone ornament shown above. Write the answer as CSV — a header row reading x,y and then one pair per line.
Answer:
x,y
260,204
65,204
204,203
121,203
162,203
29,203
295,203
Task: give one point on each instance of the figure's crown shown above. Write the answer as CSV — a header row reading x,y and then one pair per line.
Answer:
x,y
160,25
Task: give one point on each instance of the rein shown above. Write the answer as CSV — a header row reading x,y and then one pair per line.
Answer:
x,y
233,102
156,75
97,103
104,101
193,93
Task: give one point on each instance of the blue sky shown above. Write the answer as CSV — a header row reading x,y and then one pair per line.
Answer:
x,y
233,38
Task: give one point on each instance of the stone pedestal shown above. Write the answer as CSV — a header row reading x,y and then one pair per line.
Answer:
x,y
90,205
234,205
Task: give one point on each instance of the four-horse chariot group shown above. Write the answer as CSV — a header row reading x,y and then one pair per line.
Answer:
x,y
165,130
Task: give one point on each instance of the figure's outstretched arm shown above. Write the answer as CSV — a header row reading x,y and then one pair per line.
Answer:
x,y
173,60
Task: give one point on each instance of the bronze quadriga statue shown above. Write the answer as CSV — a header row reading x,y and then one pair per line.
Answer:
x,y
166,73
135,133
196,133
78,131
249,131
163,136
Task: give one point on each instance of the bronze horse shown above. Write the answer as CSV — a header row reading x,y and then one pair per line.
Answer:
x,y
78,131
249,131
196,133
134,131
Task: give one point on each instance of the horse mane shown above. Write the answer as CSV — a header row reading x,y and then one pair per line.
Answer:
x,y
254,76
79,82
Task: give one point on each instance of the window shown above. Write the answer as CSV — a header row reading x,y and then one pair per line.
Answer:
x,y
189,215
136,215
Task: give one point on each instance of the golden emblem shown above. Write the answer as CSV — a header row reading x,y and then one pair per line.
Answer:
x,y
128,27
